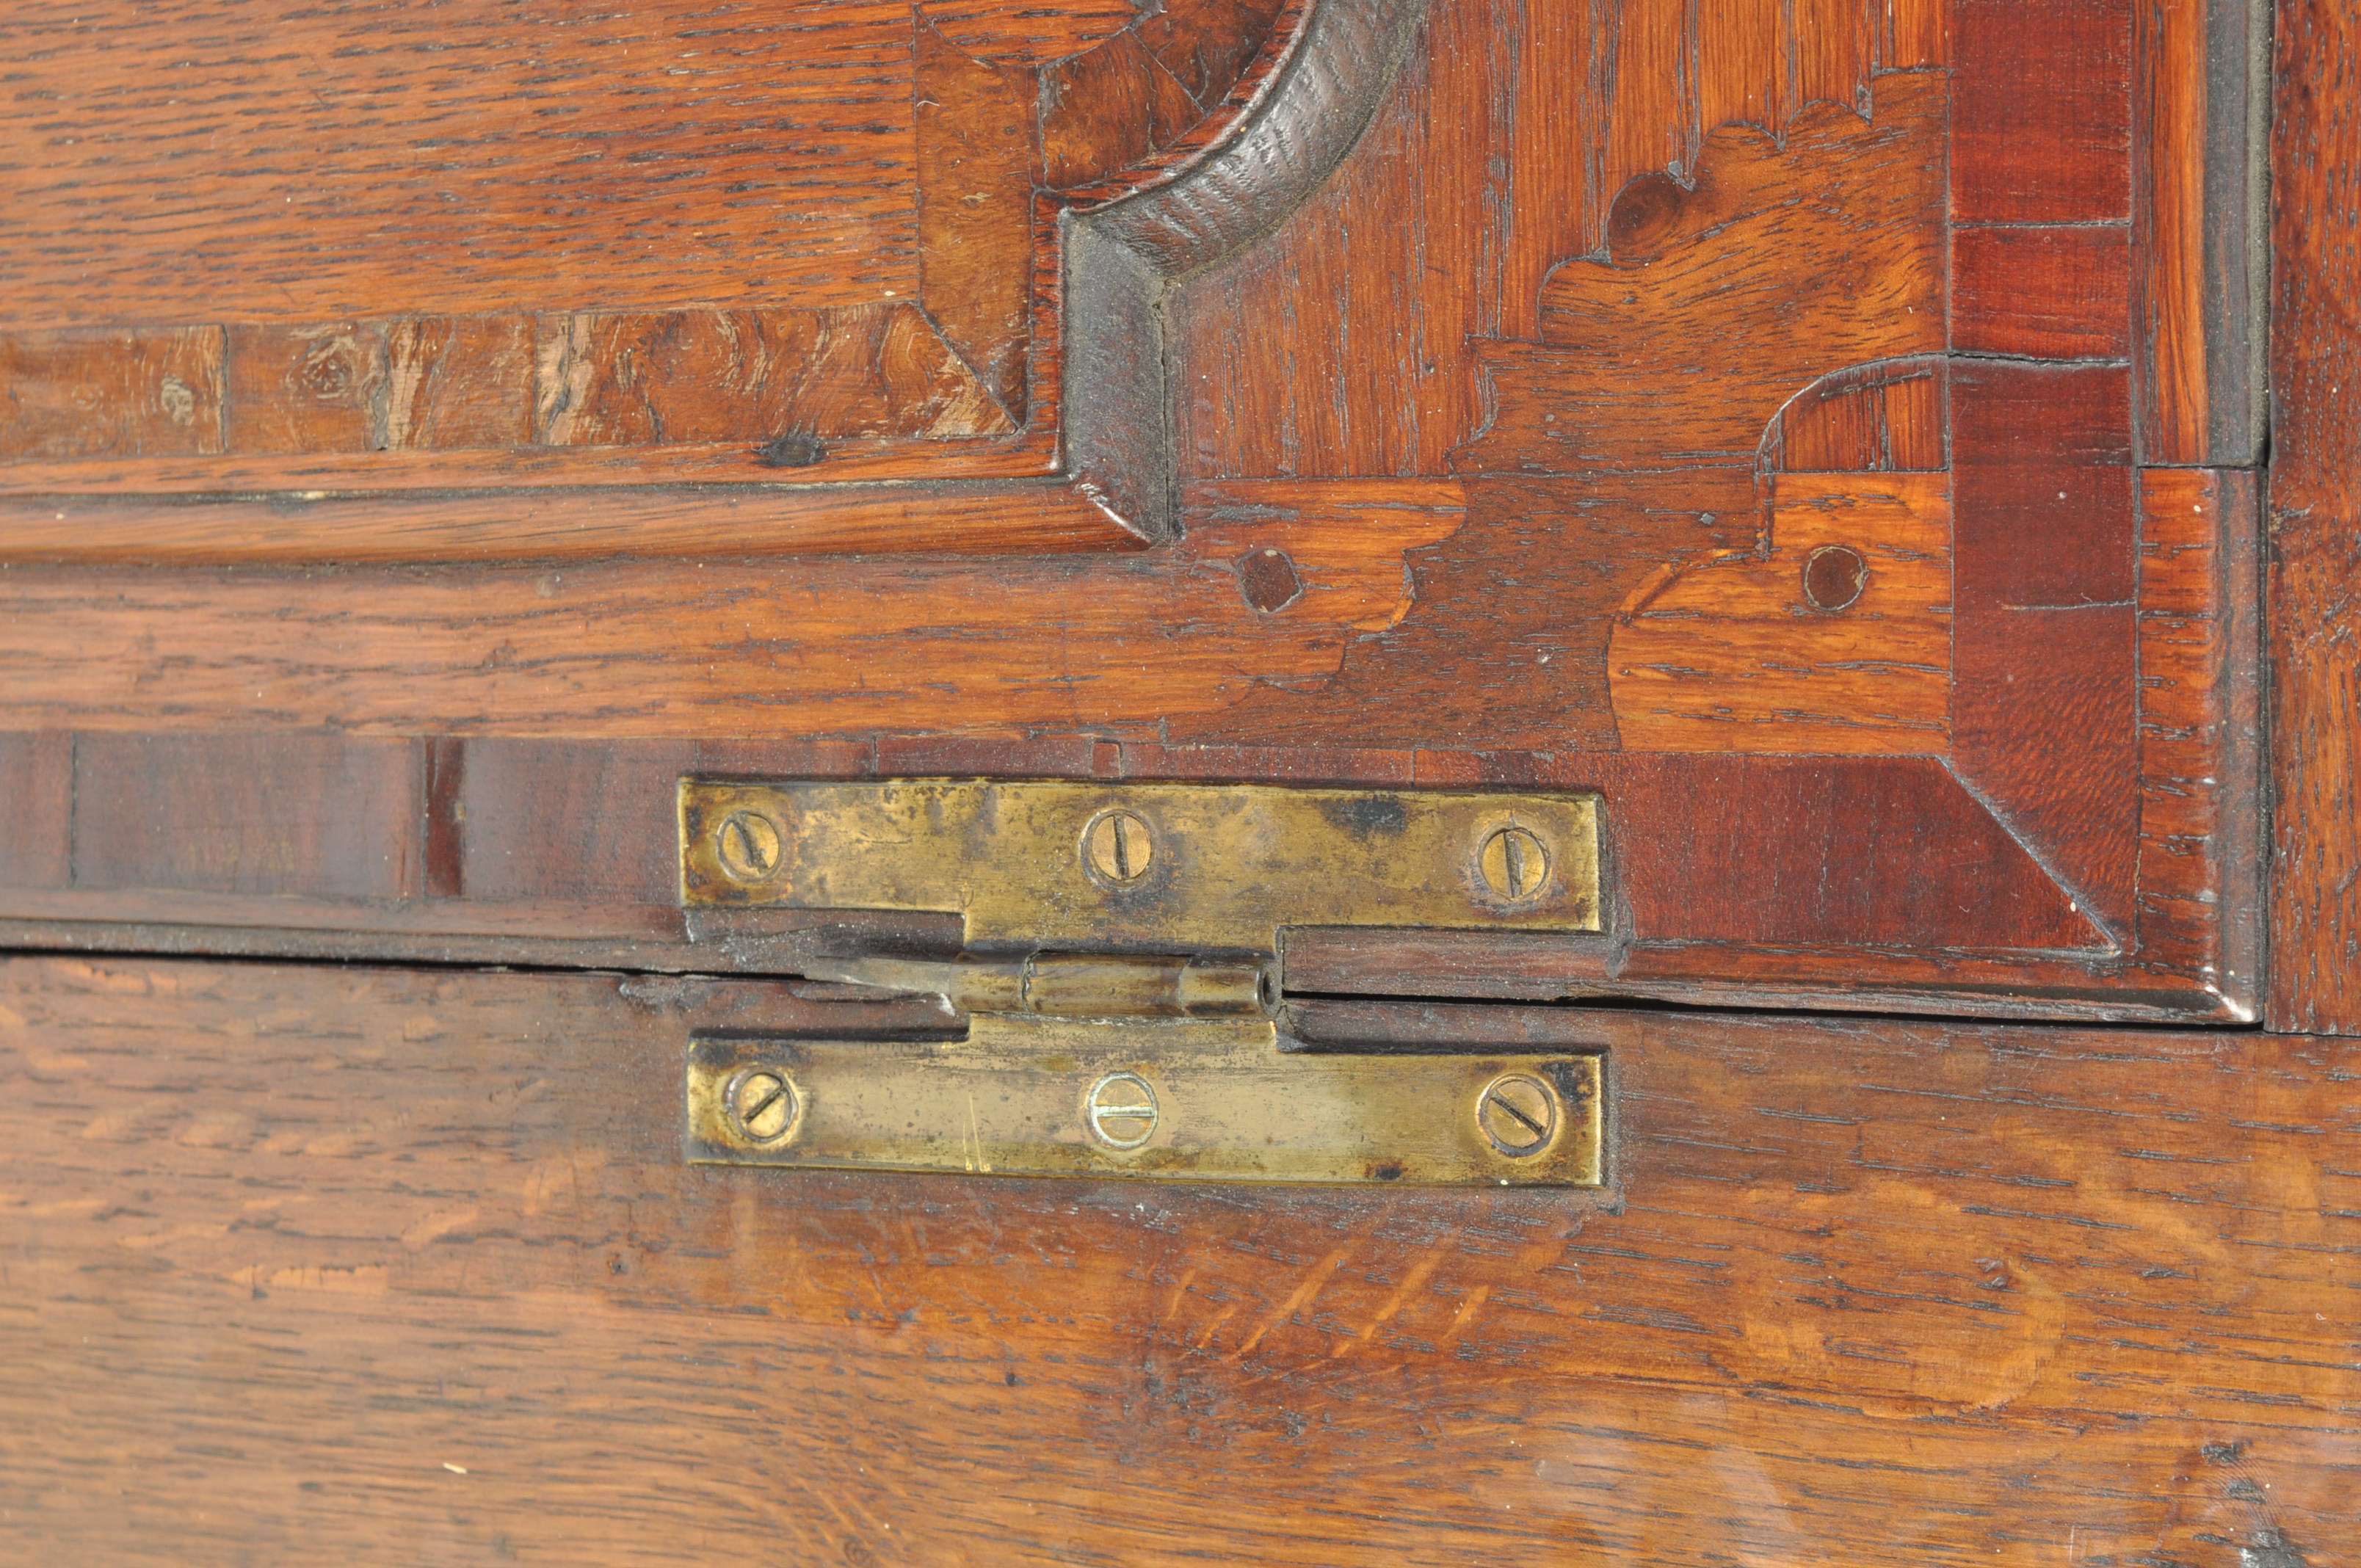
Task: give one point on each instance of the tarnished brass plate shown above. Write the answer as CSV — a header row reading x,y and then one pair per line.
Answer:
x,y
1157,866
1186,1101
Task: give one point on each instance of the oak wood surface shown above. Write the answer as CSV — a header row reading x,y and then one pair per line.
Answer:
x,y
454,158
406,1267
537,240
2315,525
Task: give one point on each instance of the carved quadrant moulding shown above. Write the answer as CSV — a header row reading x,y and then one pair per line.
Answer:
x,y
1825,431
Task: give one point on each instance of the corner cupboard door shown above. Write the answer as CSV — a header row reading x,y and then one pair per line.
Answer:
x,y
1824,433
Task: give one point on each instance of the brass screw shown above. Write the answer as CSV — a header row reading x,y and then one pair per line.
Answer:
x,y
760,1104
1518,1113
1515,864
1118,846
748,844
1122,1111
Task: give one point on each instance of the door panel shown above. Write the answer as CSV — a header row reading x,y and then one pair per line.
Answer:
x,y
393,1265
1432,396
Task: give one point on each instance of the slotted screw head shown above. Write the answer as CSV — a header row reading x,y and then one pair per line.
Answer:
x,y
1515,864
1518,1113
1122,1111
760,1104
748,845
1117,847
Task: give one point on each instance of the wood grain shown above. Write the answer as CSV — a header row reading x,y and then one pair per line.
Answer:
x,y
2199,102
1666,356
1666,350
1733,656
459,382
2200,728
288,814
565,852
2043,130
611,379
515,529
1107,110
2042,292
978,142
556,132
2316,524
1347,344
741,378
460,158
1625,443
728,647
400,1268
2045,538
37,837
113,392
1890,416
305,387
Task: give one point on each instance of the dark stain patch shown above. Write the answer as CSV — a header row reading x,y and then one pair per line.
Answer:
x,y
2270,1549
1267,579
795,449
1391,1170
1369,816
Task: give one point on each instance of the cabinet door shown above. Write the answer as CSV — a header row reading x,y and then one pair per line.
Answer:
x,y
1826,432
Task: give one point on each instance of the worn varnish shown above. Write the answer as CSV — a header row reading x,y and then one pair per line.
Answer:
x,y
395,1266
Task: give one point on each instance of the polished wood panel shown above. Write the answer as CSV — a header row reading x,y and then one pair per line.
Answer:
x,y
458,159
393,1265
1812,440
114,392
720,246
2315,531
1882,881
2042,291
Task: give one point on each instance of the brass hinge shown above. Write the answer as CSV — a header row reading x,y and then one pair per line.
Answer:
x,y
1122,974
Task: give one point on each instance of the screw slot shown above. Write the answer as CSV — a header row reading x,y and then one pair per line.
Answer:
x,y
1117,847
1518,1115
1121,1111
761,1105
748,845
1515,864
